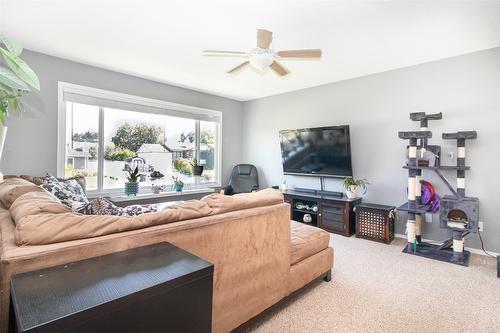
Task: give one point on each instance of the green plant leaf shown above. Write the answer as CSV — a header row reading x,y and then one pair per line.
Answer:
x,y
22,70
6,90
11,45
11,80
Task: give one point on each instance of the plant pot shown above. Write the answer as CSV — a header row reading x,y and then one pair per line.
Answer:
x,y
352,192
3,135
131,188
198,170
178,187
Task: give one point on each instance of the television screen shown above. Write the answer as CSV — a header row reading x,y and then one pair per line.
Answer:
x,y
322,151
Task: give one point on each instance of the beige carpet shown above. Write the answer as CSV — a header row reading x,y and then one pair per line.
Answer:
x,y
376,288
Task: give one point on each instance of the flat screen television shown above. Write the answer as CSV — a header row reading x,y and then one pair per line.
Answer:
x,y
321,151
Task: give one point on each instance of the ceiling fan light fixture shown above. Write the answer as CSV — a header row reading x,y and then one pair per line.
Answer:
x,y
261,58
261,61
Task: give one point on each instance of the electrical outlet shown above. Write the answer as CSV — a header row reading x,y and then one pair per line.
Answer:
x,y
480,226
428,217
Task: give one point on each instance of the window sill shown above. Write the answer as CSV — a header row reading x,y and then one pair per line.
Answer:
x,y
146,196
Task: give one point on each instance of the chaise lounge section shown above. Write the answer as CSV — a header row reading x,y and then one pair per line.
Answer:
x,y
260,257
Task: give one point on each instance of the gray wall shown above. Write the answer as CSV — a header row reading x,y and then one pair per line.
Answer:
x,y
466,89
31,145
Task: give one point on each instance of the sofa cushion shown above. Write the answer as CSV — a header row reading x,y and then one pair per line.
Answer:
x,y
306,241
13,188
228,203
35,203
38,224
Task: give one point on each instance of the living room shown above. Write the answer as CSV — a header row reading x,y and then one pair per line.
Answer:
x,y
198,130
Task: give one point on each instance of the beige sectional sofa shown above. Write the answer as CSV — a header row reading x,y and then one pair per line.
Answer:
x,y
260,257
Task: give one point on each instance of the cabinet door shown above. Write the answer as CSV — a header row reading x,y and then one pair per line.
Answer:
x,y
333,217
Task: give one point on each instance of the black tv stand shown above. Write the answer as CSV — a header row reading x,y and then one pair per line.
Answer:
x,y
319,192
333,213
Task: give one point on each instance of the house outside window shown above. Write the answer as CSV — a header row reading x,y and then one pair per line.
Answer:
x,y
103,134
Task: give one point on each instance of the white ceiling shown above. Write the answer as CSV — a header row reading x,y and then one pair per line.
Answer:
x,y
163,40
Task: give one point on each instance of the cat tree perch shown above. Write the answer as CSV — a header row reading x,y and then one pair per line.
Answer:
x,y
458,213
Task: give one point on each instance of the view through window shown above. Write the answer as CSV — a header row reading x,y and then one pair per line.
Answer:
x,y
103,143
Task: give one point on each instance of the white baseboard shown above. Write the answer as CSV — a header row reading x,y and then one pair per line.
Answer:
x,y
470,249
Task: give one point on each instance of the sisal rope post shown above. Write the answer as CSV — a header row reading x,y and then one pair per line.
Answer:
x,y
410,225
418,195
461,163
458,246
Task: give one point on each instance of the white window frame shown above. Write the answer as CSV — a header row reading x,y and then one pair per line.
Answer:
x,y
121,97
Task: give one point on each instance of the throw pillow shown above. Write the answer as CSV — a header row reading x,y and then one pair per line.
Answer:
x,y
103,206
69,192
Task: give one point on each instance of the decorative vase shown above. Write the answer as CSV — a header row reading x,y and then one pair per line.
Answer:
x,y
178,187
284,186
3,135
352,192
198,170
131,188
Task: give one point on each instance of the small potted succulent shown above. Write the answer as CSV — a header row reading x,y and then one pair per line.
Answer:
x,y
132,186
352,185
178,184
197,169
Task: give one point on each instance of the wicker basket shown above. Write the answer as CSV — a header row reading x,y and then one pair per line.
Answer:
x,y
375,222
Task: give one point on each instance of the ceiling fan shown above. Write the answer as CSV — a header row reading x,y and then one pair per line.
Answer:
x,y
262,56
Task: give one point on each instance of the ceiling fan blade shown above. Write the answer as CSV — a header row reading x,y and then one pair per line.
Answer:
x,y
243,64
275,66
223,51
215,53
312,53
264,38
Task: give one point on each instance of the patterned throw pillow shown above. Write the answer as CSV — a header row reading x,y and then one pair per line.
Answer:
x,y
69,191
103,206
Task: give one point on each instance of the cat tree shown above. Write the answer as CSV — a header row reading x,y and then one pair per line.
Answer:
x,y
458,213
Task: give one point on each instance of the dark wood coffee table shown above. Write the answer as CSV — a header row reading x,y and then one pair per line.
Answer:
x,y
156,288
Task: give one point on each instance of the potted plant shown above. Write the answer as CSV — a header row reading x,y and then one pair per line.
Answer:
x,y
352,185
178,184
197,169
132,186
15,81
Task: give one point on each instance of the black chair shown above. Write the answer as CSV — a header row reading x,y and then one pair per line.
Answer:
x,y
244,179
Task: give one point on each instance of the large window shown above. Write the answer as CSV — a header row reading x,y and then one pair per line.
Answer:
x,y
103,134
